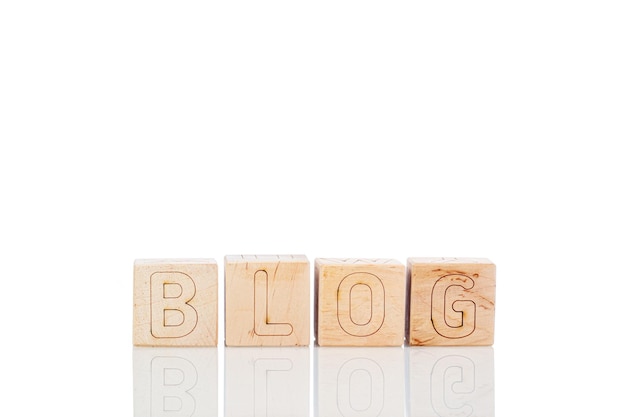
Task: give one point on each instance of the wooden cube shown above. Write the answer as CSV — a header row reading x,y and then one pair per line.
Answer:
x,y
175,302
267,300
451,301
359,302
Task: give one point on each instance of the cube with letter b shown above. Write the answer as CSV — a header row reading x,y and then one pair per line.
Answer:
x,y
359,302
175,302
451,301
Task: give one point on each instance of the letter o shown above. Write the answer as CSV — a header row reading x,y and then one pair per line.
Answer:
x,y
346,305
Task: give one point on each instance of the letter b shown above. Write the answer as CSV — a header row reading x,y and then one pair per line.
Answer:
x,y
171,315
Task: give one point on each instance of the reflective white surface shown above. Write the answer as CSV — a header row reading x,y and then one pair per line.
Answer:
x,y
359,382
175,382
266,382
145,129
450,382
346,382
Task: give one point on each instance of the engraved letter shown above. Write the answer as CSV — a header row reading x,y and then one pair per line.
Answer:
x,y
170,293
262,324
453,319
361,304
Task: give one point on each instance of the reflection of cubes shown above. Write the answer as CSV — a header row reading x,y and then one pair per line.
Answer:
x,y
266,382
450,381
359,302
451,301
175,382
359,382
175,302
267,300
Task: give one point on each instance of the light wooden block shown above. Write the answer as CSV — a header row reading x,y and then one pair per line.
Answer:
x,y
451,301
175,302
359,302
267,300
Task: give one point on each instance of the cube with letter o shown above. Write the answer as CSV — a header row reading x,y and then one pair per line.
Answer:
x,y
359,302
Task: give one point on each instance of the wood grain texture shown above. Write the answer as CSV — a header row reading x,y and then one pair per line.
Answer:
x,y
267,300
359,302
175,302
451,301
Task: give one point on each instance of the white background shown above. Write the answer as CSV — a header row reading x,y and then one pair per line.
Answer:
x,y
134,129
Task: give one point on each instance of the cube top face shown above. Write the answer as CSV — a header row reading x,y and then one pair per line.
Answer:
x,y
359,302
451,301
356,261
175,261
265,258
175,302
267,300
448,260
